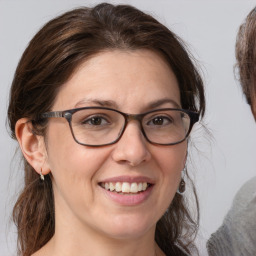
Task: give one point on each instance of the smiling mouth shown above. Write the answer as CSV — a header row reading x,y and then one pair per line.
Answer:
x,y
125,187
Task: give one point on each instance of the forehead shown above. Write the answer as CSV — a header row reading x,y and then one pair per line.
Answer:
x,y
124,77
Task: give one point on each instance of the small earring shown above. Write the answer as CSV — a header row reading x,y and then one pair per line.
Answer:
x,y
41,175
182,187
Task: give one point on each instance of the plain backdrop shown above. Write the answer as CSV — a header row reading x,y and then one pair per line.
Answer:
x,y
225,154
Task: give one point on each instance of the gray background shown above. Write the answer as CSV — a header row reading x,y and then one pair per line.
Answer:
x,y
222,162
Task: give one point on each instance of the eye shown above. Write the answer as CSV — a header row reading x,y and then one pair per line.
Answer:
x,y
95,120
160,120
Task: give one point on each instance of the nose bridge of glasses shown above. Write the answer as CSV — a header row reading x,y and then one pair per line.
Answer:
x,y
135,117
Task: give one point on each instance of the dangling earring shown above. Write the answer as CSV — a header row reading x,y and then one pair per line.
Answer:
x,y
182,187
41,175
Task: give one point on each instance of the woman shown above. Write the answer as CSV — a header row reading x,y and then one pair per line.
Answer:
x,y
99,181
237,235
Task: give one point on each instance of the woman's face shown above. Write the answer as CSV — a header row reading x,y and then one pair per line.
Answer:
x,y
132,82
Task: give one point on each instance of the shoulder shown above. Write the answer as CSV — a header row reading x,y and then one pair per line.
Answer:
x,y
236,236
246,193
244,203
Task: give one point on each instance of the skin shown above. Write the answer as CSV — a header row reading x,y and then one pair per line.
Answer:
x,y
87,221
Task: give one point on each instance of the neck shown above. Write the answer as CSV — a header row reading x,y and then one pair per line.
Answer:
x,y
66,243
124,248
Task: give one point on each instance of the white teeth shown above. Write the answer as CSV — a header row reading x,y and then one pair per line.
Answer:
x,y
111,186
134,188
118,187
125,187
106,186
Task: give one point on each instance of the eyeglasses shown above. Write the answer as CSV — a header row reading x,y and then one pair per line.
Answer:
x,y
100,126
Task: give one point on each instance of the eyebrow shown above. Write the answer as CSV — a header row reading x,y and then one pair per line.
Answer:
x,y
113,104
102,103
158,103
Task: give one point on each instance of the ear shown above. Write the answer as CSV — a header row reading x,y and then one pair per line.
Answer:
x,y
32,146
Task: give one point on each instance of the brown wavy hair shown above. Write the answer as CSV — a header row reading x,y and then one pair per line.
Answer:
x,y
50,59
246,58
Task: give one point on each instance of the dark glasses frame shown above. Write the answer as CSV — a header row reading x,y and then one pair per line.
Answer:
x,y
67,114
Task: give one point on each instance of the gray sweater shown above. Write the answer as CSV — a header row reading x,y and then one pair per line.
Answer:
x,y
237,235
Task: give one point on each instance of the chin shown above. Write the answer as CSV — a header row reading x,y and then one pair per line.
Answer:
x,y
129,227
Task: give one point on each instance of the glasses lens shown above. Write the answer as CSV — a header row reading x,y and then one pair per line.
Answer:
x,y
166,126
97,126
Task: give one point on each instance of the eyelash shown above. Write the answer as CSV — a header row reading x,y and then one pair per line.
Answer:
x,y
164,118
89,119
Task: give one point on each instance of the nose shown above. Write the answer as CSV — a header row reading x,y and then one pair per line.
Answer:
x,y
132,148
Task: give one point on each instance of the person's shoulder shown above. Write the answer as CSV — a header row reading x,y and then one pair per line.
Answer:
x,y
249,185
246,193
236,236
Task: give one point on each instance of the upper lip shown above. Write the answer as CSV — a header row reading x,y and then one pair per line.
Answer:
x,y
129,179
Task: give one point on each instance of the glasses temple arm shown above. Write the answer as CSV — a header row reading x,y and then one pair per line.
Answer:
x,y
52,114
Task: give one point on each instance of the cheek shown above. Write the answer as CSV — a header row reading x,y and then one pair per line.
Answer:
x,y
172,158
76,162
70,162
74,171
171,161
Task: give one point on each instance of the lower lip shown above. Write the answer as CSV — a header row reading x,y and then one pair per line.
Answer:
x,y
129,199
